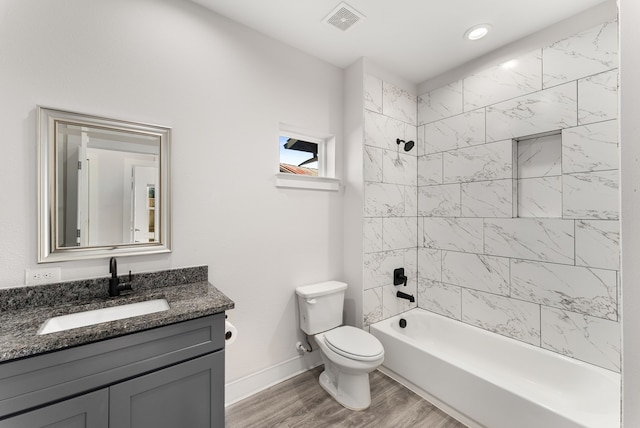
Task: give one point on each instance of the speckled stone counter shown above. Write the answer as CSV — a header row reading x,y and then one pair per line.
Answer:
x,y
24,309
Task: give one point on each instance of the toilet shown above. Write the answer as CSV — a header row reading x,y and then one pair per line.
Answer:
x,y
349,354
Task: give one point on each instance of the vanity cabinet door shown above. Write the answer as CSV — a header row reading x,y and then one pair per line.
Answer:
x,y
86,411
189,394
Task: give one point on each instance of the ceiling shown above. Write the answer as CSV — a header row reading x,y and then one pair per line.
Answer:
x,y
414,39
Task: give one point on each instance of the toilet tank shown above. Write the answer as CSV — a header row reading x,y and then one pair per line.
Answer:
x,y
321,306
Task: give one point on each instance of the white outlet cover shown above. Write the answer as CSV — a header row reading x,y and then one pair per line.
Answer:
x,y
43,276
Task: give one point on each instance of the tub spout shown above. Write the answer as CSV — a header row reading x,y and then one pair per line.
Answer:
x,y
409,297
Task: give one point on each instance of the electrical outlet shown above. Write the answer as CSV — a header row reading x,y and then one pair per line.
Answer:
x,y
43,276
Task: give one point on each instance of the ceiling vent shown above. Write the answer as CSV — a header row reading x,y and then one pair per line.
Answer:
x,y
343,16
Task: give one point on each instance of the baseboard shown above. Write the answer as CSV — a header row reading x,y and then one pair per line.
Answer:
x,y
430,398
247,386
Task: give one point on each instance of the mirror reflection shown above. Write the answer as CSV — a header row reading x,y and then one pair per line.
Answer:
x,y
104,187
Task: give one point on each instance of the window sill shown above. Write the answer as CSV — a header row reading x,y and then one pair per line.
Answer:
x,y
305,182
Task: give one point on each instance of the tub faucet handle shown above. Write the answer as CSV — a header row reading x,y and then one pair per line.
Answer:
x,y
399,277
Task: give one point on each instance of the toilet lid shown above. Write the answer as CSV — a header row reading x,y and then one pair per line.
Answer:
x,y
354,343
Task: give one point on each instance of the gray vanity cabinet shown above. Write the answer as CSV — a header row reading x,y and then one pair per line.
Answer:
x,y
170,376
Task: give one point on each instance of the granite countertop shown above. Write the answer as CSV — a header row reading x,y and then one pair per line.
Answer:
x,y
23,310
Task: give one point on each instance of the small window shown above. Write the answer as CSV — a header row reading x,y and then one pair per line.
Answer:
x,y
298,156
306,160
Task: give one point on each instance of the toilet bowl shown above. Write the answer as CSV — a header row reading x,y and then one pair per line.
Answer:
x,y
346,371
349,354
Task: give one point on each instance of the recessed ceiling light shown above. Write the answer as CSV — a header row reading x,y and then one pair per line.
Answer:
x,y
477,32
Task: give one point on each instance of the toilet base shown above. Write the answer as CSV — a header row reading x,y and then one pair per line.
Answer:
x,y
350,390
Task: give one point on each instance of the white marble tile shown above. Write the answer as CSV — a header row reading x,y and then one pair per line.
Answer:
x,y
443,299
399,104
429,264
590,339
372,93
598,97
488,198
550,240
439,201
430,169
455,132
476,271
519,76
420,140
540,197
574,288
410,201
378,268
440,103
540,157
372,240
598,243
591,195
411,266
399,233
372,167
398,168
544,111
410,134
383,200
485,162
590,148
393,305
509,317
383,131
372,306
583,54
450,233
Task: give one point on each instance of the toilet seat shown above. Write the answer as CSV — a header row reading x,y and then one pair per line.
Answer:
x,y
353,343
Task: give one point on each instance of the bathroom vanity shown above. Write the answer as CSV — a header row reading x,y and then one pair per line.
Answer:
x,y
164,369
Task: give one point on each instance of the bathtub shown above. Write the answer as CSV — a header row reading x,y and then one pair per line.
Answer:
x,y
487,380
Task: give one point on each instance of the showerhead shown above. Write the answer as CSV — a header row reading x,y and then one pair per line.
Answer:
x,y
408,145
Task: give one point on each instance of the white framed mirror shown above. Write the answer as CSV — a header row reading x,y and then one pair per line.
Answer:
x,y
103,187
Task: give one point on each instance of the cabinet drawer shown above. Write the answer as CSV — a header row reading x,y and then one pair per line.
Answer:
x,y
45,378
86,411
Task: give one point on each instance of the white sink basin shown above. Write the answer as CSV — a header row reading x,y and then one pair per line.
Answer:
x,y
97,316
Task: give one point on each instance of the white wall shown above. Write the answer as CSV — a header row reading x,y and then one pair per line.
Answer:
x,y
630,183
353,192
224,90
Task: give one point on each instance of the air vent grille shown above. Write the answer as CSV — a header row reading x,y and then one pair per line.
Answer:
x,y
343,17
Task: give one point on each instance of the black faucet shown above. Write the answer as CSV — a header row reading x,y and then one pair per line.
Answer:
x,y
114,282
409,297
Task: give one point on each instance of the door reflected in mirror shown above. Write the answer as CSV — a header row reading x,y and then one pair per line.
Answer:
x,y
104,187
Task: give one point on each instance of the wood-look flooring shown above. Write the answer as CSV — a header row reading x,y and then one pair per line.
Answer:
x,y
301,402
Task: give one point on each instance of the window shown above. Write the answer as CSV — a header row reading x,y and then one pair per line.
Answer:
x,y
298,156
306,160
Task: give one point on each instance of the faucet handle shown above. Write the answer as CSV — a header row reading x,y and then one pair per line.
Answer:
x,y
399,277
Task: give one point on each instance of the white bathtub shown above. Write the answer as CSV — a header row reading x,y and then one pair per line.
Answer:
x,y
487,380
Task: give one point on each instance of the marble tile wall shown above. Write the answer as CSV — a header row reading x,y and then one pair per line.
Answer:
x,y
391,197
542,268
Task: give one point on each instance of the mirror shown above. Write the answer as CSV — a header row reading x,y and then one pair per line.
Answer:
x,y
103,187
